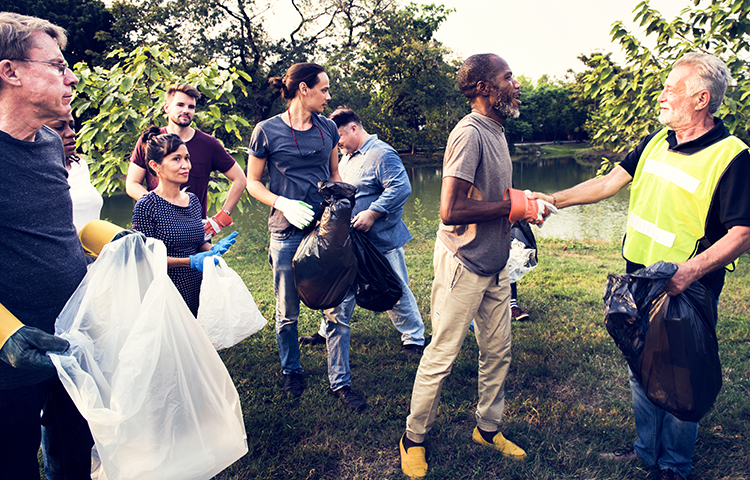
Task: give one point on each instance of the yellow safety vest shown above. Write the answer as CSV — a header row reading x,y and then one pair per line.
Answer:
x,y
670,198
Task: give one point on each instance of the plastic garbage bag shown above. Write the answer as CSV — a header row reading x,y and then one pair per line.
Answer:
x,y
377,287
325,265
672,350
523,256
156,395
227,311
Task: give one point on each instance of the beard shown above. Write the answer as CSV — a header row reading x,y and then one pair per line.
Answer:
x,y
504,107
182,121
675,118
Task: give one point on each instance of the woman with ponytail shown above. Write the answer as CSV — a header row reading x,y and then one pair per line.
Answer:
x,y
298,146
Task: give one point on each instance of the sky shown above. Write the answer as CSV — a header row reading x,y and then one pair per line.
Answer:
x,y
535,37
538,37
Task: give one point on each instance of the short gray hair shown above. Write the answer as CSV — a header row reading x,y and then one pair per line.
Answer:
x,y
16,34
712,75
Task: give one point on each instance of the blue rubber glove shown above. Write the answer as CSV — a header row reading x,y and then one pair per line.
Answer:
x,y
27,347
196,261
223,245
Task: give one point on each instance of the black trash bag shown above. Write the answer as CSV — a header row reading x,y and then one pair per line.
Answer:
x,y
521,231
677,360
377,287
325,265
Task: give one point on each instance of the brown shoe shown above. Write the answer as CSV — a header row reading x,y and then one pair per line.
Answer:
x,y
668,474
624,455
519,314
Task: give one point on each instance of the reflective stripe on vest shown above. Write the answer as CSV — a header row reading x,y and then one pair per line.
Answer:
x,y
670,198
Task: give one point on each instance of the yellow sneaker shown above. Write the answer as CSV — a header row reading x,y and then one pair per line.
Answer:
x,y
501,444
413,462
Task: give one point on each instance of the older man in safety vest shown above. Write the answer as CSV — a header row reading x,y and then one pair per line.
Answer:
x,y
689,204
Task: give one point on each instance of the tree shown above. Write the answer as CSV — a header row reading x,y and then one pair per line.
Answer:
x,y
124,100
627,96
412,99
87,22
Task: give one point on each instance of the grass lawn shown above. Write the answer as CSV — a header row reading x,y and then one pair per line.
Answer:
x,y
567,394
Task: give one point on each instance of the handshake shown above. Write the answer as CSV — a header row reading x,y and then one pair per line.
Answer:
x,y
523,206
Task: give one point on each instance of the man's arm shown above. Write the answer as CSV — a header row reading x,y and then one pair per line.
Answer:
x,y
239,182
134,181
590,191
334,166
722,253
396,190
255,187
456,208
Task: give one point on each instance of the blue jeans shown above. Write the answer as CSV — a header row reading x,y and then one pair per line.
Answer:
x,y
64,433
405,314
663,440
280,254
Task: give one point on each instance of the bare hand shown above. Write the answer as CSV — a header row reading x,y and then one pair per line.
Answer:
x,y
681,280
364,220
542,196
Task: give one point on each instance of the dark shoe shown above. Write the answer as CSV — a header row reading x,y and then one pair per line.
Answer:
x,y
314,339
412,349
624,455
668,474
350,399
519,314
294,384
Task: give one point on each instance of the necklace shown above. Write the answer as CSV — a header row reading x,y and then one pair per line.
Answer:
x,y
289,113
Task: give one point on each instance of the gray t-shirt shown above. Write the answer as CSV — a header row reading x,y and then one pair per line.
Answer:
x,y
40,253
296,160
477,152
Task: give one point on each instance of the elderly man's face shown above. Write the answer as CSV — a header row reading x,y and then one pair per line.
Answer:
x,y
676,103
49,88
505,91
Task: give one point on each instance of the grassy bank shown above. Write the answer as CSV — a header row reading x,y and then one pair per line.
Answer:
x,y
567,392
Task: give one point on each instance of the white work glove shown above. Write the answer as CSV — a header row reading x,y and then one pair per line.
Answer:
x,y
545,208
297,212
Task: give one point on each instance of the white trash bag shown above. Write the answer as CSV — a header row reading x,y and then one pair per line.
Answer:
x,y
157,397
227,311
521,260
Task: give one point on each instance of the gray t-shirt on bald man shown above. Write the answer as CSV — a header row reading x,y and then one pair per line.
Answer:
x,y
477,152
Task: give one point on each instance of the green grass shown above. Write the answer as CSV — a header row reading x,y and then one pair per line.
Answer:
x,y
567,392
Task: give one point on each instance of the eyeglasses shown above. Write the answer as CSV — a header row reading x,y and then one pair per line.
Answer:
x,y
62,68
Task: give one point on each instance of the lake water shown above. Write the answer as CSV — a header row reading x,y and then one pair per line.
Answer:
x,y
602,221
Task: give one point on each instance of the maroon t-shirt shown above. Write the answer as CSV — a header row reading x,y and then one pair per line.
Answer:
x,y
206,155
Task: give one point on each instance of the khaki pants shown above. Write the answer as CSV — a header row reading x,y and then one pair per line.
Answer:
x,y
458,297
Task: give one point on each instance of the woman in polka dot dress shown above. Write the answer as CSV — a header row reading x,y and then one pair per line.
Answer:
x,y
174,216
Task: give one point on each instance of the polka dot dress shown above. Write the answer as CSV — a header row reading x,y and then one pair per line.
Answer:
x,y
181,230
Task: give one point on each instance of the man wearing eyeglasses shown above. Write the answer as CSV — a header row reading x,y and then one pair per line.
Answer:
x,y
42,259
206,155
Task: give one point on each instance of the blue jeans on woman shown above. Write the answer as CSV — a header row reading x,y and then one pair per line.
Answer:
x,y
281,251
664,441
64,433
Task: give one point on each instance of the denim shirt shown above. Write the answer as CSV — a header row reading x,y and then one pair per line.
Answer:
x,y
383,186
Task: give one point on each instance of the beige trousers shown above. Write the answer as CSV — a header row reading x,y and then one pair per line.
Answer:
x,y
458,297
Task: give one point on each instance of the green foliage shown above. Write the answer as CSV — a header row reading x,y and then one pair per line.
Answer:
x,y
549,112
87,23
410,99
626,96
121,102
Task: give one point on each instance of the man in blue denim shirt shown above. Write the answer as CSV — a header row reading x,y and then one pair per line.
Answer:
x,y
383,187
